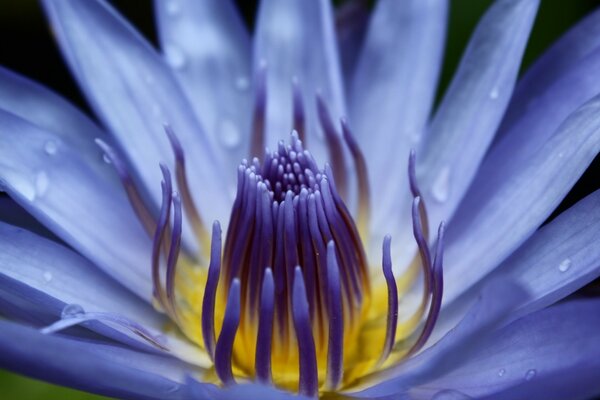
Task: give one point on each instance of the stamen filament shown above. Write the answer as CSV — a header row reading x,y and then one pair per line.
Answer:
x,y
210,291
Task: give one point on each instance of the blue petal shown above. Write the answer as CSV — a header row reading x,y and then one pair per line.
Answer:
x,y
473,106
296,39
561,80
506,205
14,214
135,93
30,264
208,47
200,390
558,346
95,367
74,193
392,94
484,316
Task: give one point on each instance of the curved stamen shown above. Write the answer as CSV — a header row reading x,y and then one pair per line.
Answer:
x,y
414,188
174,252
309,381
437,292
159,235
184,189
298,107
334,145
335,354
210,291
422,244
135,198
364,195
262,363
257,143
392,314
231,321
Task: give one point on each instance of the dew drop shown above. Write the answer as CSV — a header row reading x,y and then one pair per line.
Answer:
x,y
173,8
175,57
441,185
530,374
242,83
71,311
501,372
41,183
565,265
50,147
494,94
47,276
229,134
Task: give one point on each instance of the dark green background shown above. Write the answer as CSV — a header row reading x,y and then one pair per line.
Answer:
x,y
26,46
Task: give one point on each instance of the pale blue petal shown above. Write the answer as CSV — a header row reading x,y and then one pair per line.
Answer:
x,y
559,345
91,366
351,23
246,391
556,261
392,95
296,38
473,106
68,193
484,316
41,265
506,205
562,79
14,214
135,93
209,49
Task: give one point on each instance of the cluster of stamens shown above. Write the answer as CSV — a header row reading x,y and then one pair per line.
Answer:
x,y
289,296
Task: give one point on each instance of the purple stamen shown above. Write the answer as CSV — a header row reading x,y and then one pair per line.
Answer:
x,y
308,382
334,145
423,247
335,354
159,234
262,363
174,252
436,298
414,188
183,186
392,314
360,166
260,106
135,198
231,321
210,291
299,116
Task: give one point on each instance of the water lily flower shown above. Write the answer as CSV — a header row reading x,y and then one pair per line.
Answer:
x,y
311,150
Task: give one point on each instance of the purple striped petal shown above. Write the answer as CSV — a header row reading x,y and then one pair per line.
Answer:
x,y
135,93
91,366
65,191
473,106
557,346
297,40
391,97
208,47
506,207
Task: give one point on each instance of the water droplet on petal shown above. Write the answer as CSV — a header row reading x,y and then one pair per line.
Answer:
x,y
229,134
441,185
71,311
50,147
173,8
565,265
494,94
41,183
47,276
530,374
175,57
501,372
242,83
450,394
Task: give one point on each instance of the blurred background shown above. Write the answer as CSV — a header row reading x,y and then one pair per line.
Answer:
x,y
26,46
